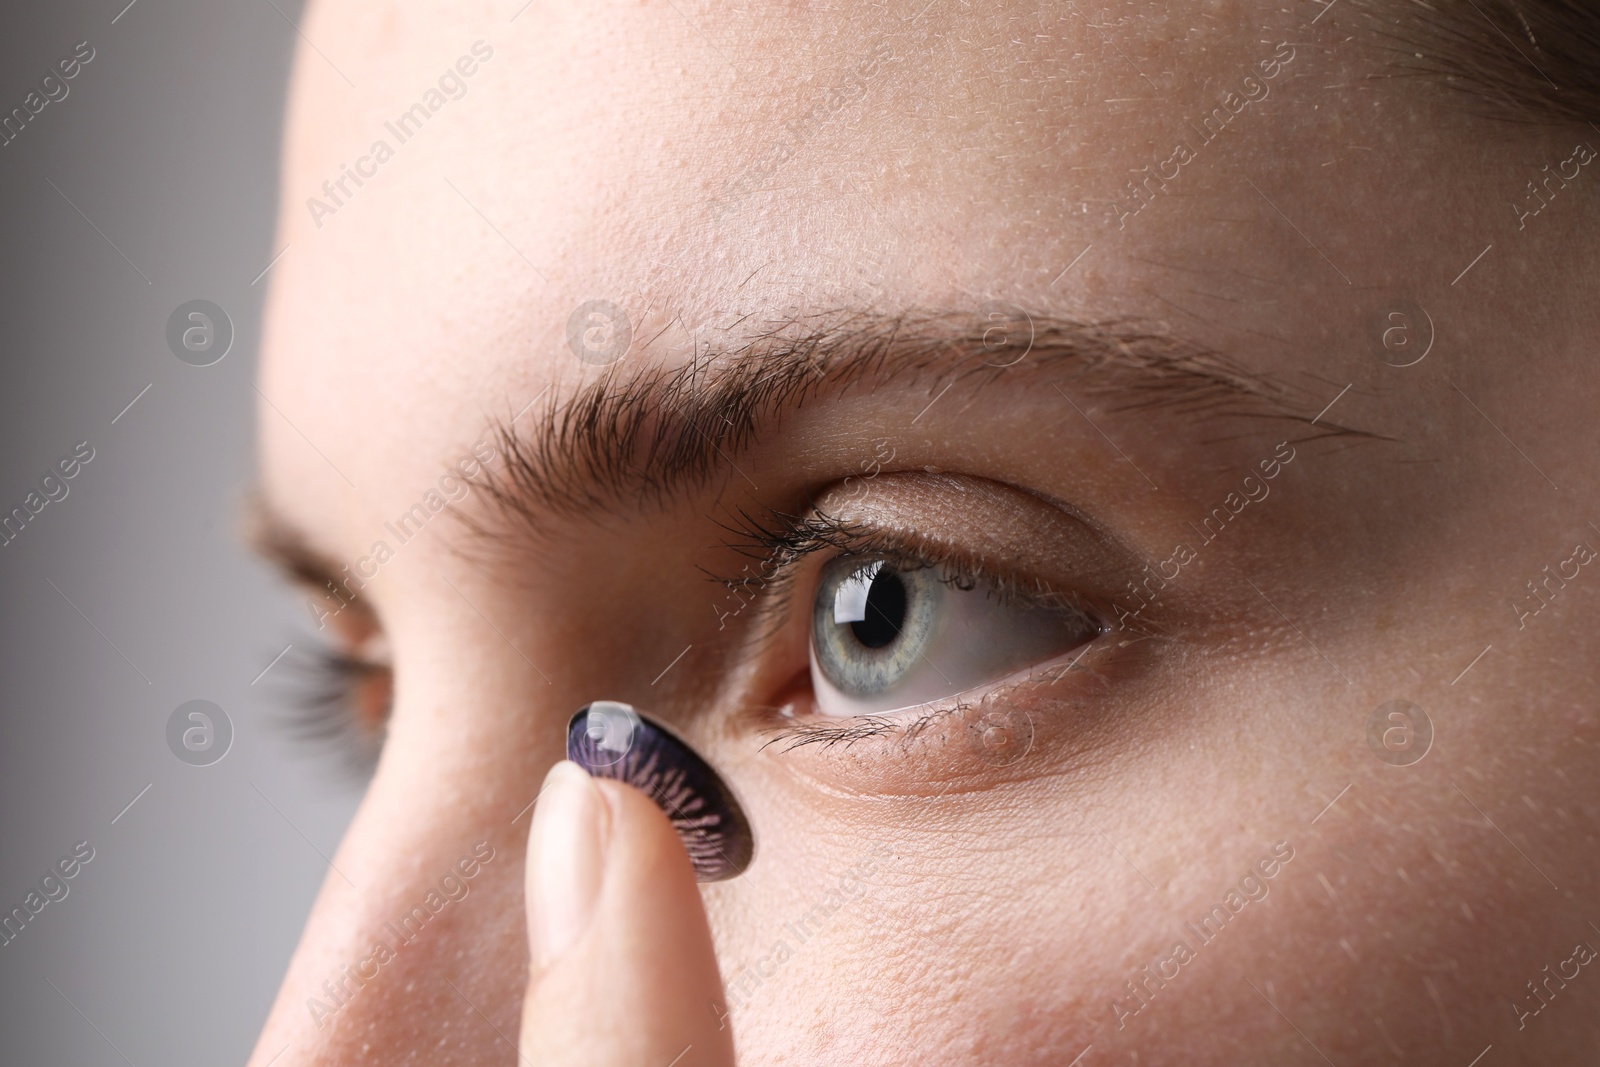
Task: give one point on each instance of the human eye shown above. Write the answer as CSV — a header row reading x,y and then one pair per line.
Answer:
x,y
892,633
924,597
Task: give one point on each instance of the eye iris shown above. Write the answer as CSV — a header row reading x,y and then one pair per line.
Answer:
x,y
886,610
872,623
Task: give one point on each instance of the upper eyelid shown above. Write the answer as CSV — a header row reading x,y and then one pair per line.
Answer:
x,y
826,531
786,539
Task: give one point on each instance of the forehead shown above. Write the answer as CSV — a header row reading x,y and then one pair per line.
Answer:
x,y
592,119
458,181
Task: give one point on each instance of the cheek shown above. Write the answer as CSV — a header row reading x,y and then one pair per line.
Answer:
x,y
985,914
968,945
1398,868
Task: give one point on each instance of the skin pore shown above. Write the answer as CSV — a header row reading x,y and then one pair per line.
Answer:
x,y
740,180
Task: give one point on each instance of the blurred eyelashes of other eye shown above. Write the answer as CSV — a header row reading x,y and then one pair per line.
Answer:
x,y
342,699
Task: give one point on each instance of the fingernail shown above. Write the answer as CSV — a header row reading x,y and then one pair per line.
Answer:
x,y
571,826
614,740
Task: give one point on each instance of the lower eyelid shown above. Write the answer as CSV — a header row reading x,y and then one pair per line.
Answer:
x,y
902,726
1073,721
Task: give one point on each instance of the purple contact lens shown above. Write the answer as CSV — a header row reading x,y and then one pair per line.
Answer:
x,y
612,740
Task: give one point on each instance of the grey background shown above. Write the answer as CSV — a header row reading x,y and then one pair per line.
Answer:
x,y
173,938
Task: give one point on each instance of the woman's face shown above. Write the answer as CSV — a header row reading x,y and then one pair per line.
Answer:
x,y
1164,570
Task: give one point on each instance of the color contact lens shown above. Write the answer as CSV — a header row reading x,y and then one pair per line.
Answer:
x,y
612,740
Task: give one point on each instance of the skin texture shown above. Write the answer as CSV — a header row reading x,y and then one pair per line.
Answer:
x,y
997,909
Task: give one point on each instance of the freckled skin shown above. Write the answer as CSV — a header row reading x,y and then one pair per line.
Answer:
x,y
971,155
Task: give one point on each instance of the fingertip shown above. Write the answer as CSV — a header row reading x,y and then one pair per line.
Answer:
x,y
568,844
641,982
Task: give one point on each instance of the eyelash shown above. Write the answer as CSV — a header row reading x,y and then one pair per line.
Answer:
x,y
324,684
783,542
327,680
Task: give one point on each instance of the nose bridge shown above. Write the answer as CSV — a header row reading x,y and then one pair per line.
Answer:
x,y
416,948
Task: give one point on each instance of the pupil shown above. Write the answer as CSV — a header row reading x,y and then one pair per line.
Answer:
x,y
886,610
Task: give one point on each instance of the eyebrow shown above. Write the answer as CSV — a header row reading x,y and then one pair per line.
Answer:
x,y
641,437
270,534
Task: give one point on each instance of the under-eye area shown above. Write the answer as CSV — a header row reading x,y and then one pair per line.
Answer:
x,y
1057,717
